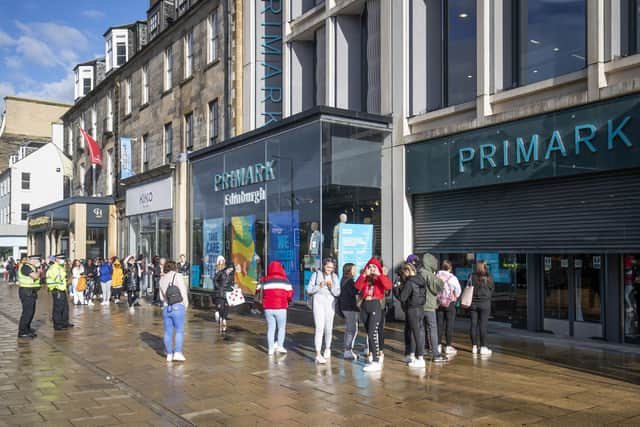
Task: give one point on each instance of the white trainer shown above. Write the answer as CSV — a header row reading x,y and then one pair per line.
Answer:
x,y
178,357
474,349
320,360
327,353
169,357
439,348
485,351
381,357
417,363
270,352
373,367
409,358
280,349
450,350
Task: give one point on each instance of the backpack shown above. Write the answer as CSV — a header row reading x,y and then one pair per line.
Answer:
x,y
173,294
81,285
446,296
422,295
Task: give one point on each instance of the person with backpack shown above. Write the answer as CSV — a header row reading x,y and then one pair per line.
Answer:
x,y
412,296
324,287
434,287
446,311
483,286
223,281
174,296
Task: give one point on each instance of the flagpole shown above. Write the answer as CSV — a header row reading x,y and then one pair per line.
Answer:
x,y
93,179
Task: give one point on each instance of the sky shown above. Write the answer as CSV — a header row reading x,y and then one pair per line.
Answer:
x,y
41,41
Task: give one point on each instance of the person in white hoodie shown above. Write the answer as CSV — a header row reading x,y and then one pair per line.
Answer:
x,y
324,287
446,311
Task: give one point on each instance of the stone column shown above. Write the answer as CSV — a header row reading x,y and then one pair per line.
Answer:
x,y
597,78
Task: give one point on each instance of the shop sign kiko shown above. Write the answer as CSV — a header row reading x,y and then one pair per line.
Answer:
x,y
592,138
252,174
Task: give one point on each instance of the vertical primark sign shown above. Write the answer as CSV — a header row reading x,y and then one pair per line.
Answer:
x,y
270,60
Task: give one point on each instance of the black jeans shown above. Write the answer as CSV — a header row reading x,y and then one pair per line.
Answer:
x,y
371,316
223,308
479,322
415,327
431,331
60,313
156,288
28,297
132,297
446,322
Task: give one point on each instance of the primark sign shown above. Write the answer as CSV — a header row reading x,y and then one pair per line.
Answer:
x,y
592,138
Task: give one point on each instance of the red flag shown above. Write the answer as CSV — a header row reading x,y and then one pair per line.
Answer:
x,y
95,153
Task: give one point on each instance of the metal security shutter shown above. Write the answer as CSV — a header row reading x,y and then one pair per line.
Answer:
x,y
596,213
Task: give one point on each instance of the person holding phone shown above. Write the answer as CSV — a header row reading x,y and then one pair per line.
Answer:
x,y
372,285
324,286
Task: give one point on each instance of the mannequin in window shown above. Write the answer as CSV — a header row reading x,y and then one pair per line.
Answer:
x,y
336,234
315,244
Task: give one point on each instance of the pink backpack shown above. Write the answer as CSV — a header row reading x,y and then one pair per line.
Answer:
x,y
446,296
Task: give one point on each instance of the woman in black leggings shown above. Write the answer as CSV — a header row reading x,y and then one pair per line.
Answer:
x,y
480,309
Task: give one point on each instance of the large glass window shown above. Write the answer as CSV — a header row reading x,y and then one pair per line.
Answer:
x,y
212,32
121,53
631,289
214,122
96,243
168,143
188,54
551,38
461,51
145,84
188,131
168,68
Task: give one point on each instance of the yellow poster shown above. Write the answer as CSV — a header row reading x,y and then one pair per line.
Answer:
x,y
243,252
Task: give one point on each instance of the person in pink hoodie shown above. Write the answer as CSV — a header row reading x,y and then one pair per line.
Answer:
x,y
446,311
277,292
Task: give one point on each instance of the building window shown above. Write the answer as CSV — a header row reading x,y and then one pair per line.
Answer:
x,y
213,121
109,124
168,143
86,86
212,36
188,54
109,54
145,84
153,25
24,211
183,5
168,68
109,172
26,181
460,51
127,94
188,131
121,53
551,39
69,149
94,122
145,152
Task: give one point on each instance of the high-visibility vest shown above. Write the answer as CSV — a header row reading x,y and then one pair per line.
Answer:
x,y
26,281
56,278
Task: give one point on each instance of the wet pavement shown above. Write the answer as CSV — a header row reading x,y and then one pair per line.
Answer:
x,y
110,370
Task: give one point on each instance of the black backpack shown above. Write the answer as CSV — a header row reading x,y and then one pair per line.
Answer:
x,y
173,294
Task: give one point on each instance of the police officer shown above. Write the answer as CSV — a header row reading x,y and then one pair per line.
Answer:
x,y
57,284
29,283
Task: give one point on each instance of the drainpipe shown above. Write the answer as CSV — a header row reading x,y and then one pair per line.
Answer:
x,y
227,70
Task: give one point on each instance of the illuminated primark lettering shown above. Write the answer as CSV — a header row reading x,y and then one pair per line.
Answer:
x,y
583,141
271,51
253,174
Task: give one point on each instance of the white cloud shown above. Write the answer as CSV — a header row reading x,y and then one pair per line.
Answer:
x,y
6,89
93,14
6,39
12,62
36,52
61,90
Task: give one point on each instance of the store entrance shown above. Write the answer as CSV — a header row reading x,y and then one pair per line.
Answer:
x,y
573,289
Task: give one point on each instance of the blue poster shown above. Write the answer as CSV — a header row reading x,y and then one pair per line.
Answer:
x,y
213,243
355,244
195,276
493,262
126,163
284,245
463,273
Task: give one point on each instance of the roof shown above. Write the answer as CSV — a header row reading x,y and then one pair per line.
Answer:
x,y
38,101
108,200
123,26
65,162
90,63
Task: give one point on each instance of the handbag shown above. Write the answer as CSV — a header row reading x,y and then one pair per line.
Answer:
x,y
235,297
467,295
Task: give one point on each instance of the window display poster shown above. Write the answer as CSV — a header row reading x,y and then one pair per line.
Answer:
x,y
355,244
493,262
195,276
284,245
243,252
463,273
213,241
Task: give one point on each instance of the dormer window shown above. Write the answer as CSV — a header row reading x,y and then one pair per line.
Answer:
x,y
154,24
86,86
117,48
121,53
84,83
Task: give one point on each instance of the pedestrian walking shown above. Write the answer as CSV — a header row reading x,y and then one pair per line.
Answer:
x,y
480,308
348,301
77,270
223,282
29,283
155,270
106,273
11,267
446,311
276,292
413,296
117,279
324,288
372,285
174,296
91,271
57,284
434,287
132,281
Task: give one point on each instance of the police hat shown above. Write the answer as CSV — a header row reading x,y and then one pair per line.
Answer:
x,y
61,257
34,257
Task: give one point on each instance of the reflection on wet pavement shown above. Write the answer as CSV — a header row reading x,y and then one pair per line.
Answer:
x,y
110,370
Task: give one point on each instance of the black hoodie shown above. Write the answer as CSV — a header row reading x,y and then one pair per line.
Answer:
x,y
414,292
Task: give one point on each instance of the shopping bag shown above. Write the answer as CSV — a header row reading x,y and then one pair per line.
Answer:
x,y
467,296
235,297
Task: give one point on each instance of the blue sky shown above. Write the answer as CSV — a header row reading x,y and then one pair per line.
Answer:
x,y
42,40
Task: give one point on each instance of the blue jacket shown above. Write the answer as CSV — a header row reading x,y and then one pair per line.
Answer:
x,y
105,272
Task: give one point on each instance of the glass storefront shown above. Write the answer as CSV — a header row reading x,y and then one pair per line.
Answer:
x,y
631,289
281,198
150,234
96,243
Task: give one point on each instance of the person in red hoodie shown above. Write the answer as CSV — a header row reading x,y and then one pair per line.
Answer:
x,y
276,294
372,285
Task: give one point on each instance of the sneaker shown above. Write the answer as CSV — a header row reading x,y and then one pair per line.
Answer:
x,y
170,357
381,358
178,357
320,360
409,358
369,357
439,348
485,351
450,350
90,303
216,316
131,309
373,367
327,353
417,363
270,352
474,349
280,349
440,359
350,355
116,301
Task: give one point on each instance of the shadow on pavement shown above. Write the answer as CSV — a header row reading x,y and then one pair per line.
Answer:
x,y
153,341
